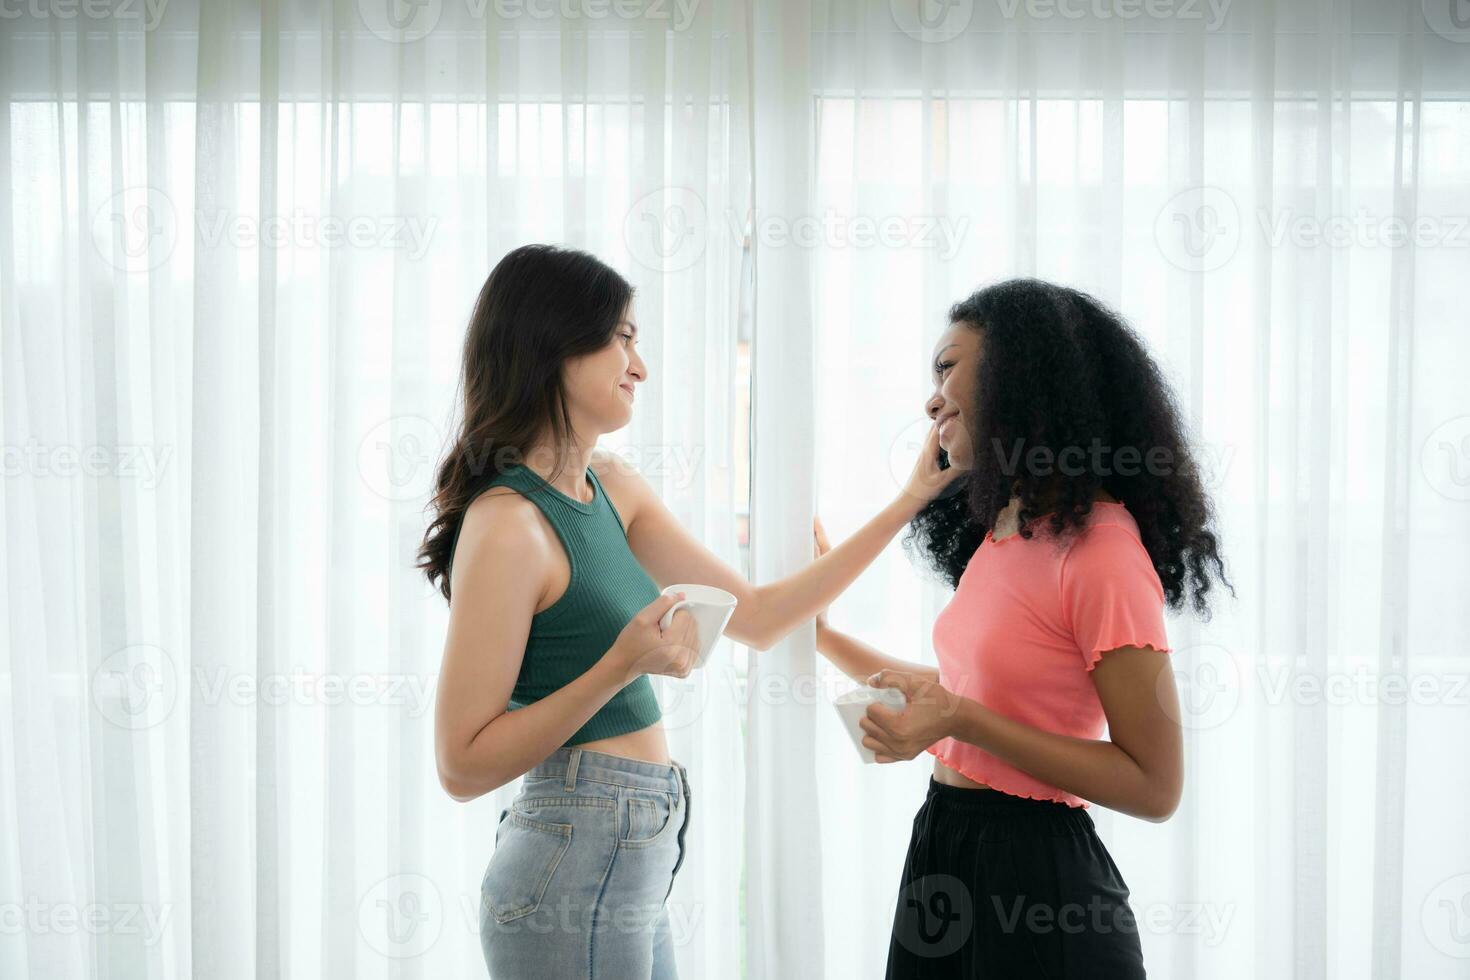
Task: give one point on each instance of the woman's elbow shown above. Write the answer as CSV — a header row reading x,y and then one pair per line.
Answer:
x,y
1162,805
746,627
752,635
758,642
457,788
458,782
758,635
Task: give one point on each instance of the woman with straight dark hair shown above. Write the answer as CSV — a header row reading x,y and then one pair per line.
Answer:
x,y
1078,517
551,555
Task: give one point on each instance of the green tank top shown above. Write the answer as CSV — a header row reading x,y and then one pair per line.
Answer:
x,y
607,587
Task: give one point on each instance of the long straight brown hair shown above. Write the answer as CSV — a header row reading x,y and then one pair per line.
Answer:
x,y
540,306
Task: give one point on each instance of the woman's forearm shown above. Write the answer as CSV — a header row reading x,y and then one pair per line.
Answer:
x,y
1096,770
860,661
785,604
516,741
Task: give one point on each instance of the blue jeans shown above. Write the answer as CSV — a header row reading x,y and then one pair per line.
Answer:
x,y
585,858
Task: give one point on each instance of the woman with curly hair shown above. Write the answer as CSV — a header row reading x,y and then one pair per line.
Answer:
x,y
1077,518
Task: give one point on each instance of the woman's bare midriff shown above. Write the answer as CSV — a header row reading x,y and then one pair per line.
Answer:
x,y
645,745
944,774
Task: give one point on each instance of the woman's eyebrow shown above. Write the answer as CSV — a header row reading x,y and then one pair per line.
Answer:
x,y
943,349
632,325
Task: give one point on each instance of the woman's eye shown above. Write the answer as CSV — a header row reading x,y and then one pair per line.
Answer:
x,y
943,366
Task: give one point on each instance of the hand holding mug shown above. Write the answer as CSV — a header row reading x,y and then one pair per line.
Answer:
x,y
647,646
710,608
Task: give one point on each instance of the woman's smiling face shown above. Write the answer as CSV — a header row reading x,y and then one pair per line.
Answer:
x,y
955,366
600,386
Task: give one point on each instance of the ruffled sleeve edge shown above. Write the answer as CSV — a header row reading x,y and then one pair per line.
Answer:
x,y
1091,658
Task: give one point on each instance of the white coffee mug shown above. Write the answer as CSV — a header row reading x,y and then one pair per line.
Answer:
x,y
853,705
711,609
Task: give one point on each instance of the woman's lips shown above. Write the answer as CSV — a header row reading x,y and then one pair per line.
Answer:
x,y
628,389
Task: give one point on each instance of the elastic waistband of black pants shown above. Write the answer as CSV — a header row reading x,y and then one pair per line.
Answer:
x,y
991,797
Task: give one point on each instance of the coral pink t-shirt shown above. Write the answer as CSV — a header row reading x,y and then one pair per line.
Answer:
x,y
1028,623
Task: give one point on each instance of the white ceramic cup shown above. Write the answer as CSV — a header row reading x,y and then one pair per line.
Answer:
x,y
711,609
853,705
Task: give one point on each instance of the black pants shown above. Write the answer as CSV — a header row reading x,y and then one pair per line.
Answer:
x,y
1005,887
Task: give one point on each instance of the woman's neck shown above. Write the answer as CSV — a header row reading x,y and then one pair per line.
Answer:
x,y
564,467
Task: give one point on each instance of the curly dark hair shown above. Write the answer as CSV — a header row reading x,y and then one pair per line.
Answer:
x,y
1068,402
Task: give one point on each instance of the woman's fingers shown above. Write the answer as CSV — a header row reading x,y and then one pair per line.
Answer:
x,y
820,534
875,727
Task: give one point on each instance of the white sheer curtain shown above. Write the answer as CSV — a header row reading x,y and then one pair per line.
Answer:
x,y
238,245
238,248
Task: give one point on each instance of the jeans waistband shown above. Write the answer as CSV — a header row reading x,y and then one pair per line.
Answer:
x,y
571,765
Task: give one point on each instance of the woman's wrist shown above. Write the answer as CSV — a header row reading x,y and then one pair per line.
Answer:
x,y
906,506
613,670
966,722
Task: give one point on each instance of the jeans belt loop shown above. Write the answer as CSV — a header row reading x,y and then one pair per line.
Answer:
x,y
571,782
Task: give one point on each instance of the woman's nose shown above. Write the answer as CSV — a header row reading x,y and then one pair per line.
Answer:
x,y
932,406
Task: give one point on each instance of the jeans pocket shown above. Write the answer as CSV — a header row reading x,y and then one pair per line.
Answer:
x,y
648,819
525,858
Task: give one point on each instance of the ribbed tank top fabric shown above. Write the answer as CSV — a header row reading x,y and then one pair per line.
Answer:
x,y
607,587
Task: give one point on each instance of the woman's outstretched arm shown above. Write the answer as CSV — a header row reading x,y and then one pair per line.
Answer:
x,y
860,661
766,613
847,653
